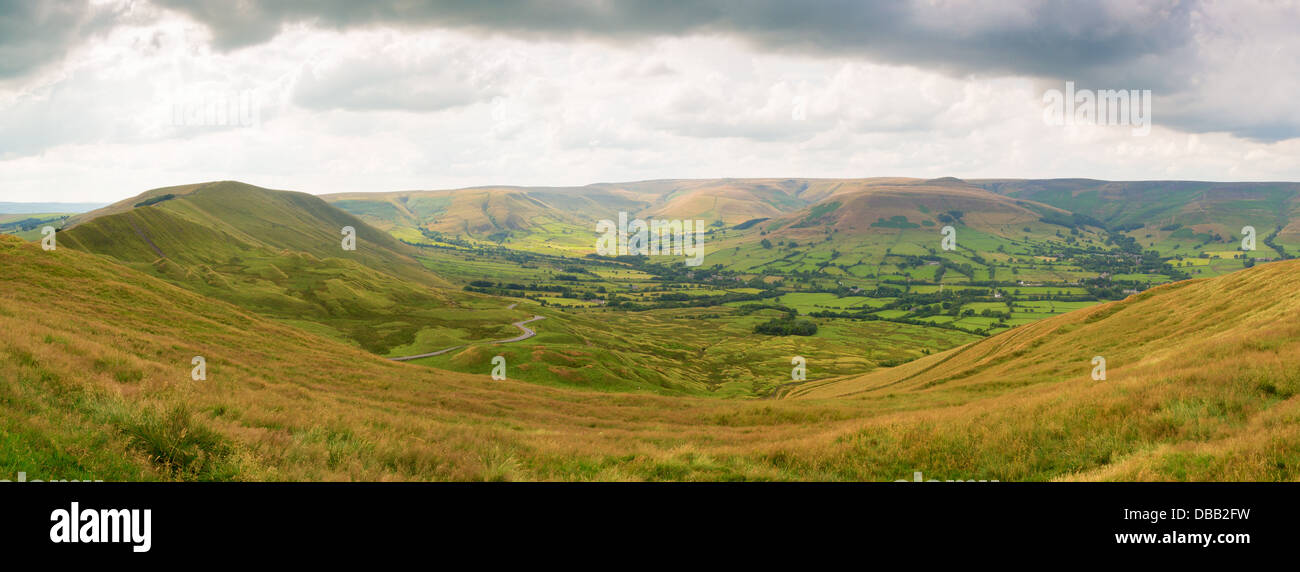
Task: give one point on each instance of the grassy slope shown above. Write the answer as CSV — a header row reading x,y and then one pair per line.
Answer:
x,y
1202,378
1196,206
94,383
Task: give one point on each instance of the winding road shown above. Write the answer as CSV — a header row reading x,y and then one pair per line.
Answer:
x,y
527,333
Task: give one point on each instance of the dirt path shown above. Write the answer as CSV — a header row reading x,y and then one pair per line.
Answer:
x,y
527,333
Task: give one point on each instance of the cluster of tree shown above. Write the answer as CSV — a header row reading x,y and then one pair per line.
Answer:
x,y
950,217
1270,242
787,326
155,200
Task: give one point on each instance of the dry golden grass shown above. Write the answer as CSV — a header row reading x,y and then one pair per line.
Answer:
x,y
95,381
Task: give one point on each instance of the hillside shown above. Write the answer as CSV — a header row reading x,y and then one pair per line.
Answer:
x,y
875,207
95,363
1171,213
229,211
276,252
1201,375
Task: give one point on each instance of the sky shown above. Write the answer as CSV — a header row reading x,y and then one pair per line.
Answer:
x,y
101,100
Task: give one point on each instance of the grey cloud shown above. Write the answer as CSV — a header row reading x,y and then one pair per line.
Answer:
x,y
1109,44
33,33
1054,35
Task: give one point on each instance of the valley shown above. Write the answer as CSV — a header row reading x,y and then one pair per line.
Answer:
x,y
862,258
373,364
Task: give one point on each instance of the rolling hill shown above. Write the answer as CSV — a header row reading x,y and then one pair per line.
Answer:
x,y
1184,219
560,219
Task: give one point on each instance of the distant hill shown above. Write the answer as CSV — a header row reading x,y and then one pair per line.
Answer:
x,y
561,219
885,206
851,227
1196,206
1165,208
477,212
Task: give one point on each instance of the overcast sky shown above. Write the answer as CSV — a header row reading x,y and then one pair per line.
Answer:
x,y
101,100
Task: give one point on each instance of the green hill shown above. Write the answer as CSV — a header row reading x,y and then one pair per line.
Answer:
x,y
1173,215
275,252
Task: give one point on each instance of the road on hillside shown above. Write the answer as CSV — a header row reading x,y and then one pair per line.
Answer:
x,y
527,333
